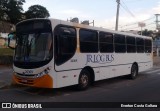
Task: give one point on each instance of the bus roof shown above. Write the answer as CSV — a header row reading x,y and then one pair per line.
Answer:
x,y
97,28
87,27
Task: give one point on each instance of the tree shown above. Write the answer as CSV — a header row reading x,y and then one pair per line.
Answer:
x,y
11,10
37,11
147,32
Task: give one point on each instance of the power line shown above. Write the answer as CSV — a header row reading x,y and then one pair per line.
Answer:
x,y
129,25
150,24
129,1
134,23
138,27
125,7
152,27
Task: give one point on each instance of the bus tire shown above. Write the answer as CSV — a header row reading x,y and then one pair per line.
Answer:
x,y
134,72
84,80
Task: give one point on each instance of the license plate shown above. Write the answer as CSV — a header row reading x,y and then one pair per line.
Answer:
x,y
24,80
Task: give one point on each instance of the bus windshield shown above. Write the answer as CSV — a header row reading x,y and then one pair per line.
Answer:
x,y
34,47
34,43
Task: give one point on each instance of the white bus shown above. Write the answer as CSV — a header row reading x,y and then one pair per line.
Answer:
x,y
52,53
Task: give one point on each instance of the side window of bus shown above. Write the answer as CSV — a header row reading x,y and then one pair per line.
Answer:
x,y
131,44
140,45
88,41
65,43
148,46
106,42
120,44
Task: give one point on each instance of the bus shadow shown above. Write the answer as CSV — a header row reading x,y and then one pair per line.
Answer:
x,y
71,89
107,83
50,92
112,83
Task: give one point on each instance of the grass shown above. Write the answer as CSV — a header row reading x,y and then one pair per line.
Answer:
x,y
6,51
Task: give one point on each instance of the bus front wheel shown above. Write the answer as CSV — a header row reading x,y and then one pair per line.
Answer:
x,y
84,80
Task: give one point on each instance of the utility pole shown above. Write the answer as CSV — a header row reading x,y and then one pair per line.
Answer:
x,y
92,23
157,21
158,28
117,16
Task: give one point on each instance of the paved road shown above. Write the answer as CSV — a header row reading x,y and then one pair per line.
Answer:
x,y
146,88
5,75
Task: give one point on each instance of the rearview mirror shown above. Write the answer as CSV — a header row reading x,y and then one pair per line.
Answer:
x,y
12,40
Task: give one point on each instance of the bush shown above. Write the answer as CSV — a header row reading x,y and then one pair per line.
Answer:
x,y
6,51
6,56
6,60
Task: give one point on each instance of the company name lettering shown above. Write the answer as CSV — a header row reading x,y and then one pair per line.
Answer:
x,y
100,58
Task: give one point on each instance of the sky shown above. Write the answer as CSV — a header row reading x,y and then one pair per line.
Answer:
x,y
103,12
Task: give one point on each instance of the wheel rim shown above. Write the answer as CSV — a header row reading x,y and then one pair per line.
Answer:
x,y
84,80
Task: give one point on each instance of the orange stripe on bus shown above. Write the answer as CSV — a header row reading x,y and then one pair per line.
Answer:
x,y
44,82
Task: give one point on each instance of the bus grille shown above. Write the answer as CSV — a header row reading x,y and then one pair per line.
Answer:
x,y
25,81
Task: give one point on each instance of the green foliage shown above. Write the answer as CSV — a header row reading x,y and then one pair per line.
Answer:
x,y
37,11
6,51
11,10
146,32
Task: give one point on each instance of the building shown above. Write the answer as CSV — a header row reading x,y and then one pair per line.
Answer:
x,y
5,29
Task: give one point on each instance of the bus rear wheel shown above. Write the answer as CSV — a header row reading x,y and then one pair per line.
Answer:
x,y
134,72
84,80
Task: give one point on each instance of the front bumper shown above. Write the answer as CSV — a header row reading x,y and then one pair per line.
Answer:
x,y
45,81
